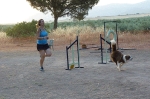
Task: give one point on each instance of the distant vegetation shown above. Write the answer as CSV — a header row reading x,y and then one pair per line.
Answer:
x,y
25,29
124,25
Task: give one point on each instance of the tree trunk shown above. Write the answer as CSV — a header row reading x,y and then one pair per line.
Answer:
x,y
55,22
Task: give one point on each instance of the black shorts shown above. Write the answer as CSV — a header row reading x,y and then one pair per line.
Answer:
x,y
42,47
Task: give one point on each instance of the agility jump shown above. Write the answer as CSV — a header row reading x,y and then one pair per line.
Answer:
x,y
108,41
71,65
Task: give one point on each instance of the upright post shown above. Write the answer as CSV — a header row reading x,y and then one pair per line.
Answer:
x,y
101,48
104,29
78,52
117,36
72,48
105,42
67,58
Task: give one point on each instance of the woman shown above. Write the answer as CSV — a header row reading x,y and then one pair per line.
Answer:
x,y
42,45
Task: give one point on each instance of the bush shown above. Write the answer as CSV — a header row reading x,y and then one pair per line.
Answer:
x,y
22,29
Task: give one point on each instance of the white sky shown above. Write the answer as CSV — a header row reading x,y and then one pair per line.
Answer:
x,y
106,2
14,11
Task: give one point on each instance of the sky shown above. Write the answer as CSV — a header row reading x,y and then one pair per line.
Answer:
x,y
15,11
106,2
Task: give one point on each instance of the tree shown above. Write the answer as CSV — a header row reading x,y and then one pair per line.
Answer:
x,y
59,8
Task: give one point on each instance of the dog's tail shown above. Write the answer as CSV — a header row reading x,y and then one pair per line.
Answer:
x,y
113,44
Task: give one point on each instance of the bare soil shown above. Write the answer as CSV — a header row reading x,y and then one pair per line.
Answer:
x,y
20,77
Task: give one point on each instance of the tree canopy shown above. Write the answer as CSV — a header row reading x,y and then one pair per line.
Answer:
x,y
77,9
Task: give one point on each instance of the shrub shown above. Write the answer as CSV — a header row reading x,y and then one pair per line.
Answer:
x,y
22,29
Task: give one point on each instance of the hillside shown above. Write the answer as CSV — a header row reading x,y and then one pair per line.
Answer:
x,y
116,9
119,16
110,17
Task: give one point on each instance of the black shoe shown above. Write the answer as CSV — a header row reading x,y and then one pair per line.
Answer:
x,y
41,69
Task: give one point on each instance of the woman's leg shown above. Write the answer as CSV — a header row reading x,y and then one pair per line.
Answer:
x,y
42,55
48,52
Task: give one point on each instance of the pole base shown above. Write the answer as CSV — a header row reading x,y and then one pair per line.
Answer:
x,y
67,69
101,63
79,67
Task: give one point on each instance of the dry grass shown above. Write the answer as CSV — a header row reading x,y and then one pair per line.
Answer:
x,y
16,44
87,35
68,35
138,41
90,36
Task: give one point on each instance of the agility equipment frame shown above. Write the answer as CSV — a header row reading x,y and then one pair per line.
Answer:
x,y
78,54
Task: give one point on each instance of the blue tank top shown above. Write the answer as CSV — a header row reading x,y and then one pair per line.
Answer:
x,y
43,33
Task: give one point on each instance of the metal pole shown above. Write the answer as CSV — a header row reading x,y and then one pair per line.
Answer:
x,y
104,29
117,36
72,48
101,48
78,52
67,58
105,42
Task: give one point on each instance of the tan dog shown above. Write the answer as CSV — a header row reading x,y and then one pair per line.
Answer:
x,y
118,57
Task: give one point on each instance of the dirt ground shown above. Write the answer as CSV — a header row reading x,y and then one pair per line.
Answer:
x,y
20,77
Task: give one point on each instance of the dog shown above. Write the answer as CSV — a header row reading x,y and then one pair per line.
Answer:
x,y
117,57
